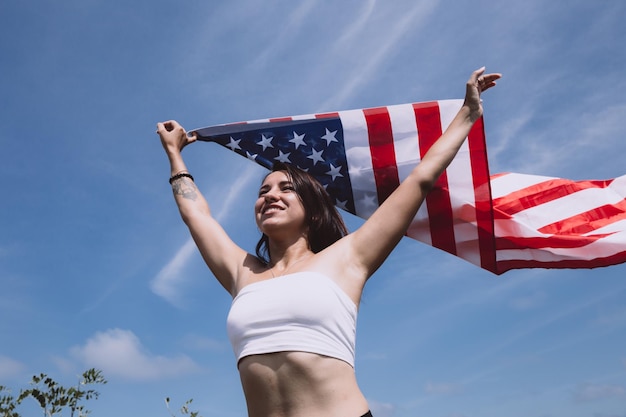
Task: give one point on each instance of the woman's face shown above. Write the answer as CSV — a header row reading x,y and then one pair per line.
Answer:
x,y
278,207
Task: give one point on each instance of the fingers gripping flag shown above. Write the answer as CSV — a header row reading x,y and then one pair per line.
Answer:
x,y
361,156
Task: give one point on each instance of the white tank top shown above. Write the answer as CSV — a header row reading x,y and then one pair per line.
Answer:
x,y
304,311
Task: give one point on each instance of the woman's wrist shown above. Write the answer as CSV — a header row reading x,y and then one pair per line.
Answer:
x,y
172,150
471,111
177,165
181,174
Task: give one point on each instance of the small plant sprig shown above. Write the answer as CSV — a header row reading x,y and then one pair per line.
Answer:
x,y
184,409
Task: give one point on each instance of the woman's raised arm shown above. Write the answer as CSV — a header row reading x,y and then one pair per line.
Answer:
x,y
376,238
221,254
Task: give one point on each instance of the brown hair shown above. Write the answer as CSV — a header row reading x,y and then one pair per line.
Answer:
x,y
325,224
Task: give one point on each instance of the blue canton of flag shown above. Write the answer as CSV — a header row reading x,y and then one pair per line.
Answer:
x,y
315,146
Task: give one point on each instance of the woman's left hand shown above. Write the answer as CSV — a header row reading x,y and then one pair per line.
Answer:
x,y
477,83
173,136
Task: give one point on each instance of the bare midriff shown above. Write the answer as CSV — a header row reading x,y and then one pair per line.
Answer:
x,y
300,384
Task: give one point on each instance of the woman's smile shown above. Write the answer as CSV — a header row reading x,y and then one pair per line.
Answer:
x,y
272,209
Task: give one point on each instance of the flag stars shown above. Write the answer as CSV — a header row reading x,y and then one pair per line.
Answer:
x,y
329,137
266,142
369,201
297,140
334,172
250,156
234,144
283,157
316,156
342,204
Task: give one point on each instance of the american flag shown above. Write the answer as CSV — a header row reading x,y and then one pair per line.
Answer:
x,y
361,156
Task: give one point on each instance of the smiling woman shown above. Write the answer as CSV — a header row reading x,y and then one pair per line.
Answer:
x,y
292,321
324,224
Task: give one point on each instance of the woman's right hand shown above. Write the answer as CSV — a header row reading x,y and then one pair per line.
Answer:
x,y
173,136
475,86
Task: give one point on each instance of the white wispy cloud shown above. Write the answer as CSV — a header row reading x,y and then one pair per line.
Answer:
x,y
549,320
169,281
202,343
593,392
10,367
286,33
119,352
444,388
506,136
352,30
528,301
612,318
575,136
377,51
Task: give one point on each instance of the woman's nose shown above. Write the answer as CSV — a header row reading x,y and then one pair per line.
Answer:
x,y
270,195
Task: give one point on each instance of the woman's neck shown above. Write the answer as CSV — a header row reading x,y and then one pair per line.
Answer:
x,y
285,257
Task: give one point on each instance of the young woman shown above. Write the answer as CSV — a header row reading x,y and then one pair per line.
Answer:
x,y
293,318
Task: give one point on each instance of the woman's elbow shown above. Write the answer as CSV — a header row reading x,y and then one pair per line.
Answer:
x,y
427,185
425,179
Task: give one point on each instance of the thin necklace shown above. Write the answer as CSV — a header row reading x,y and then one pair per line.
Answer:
x,y
271,269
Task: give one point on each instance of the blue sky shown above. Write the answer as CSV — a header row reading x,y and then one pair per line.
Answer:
x,y
96,267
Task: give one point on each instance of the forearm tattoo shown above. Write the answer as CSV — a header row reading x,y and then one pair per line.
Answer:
x,y
186,188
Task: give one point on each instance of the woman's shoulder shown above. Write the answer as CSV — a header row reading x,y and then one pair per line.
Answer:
x,y
253,269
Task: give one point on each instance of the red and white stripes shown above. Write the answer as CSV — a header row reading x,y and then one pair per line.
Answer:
x,y
397,138
544,222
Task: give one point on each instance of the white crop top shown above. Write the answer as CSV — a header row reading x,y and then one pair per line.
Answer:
x,y
304,311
